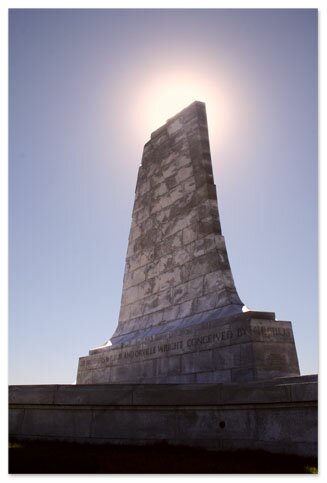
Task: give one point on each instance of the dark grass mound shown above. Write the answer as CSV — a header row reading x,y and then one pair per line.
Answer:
x,y
64,458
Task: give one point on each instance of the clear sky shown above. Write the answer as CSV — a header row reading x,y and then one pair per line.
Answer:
x,y
87,87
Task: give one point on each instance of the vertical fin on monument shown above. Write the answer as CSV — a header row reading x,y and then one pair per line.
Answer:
x,y
177,264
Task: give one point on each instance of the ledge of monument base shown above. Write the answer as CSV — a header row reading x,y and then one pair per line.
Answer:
x,y
277,415
244,347
222,314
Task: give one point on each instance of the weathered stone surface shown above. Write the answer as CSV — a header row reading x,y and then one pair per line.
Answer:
x,y
278,416
181,318
231,349
175,234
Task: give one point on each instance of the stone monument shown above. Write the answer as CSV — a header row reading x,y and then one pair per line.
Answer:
x,y
180,324
181,319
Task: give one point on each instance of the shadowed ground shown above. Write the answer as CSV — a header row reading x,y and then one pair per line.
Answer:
x,y
74,458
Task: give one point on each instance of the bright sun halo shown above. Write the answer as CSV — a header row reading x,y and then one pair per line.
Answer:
x,y
165,96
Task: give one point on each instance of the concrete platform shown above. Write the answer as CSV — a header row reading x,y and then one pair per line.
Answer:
x,y
278,416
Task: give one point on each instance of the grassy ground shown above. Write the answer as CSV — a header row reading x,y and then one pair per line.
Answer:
x,y
64,458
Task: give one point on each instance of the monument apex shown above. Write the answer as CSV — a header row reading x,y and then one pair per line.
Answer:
x,y
181,317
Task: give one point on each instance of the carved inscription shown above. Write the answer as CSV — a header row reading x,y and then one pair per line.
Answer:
x,y
264,331
207,339
198,342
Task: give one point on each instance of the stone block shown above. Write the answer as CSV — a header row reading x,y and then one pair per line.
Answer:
x,y
213,377
271,426
208,225
214,281
120,425
140,259
16,418
136,309
124,373
86,395
276,356
206,302
170,278
203,245
226,358
184,173
171,313
142,188
84,376
152,269
190,234
167,366
203,265
178,224
165,423
180,257
130,294
154,318
19,394
243,374
101,375
141,214
57,423
168,245
200,361
174,126
246,354
160,190
187,291
135,277
185,309
156,302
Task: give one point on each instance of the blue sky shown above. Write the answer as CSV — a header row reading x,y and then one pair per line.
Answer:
x,y
86,88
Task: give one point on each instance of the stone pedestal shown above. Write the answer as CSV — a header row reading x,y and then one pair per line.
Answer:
x,y
237,348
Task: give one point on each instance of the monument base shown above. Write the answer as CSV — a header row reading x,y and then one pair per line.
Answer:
x,y
278,416
242,347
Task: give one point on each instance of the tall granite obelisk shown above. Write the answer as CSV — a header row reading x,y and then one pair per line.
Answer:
x,y
181,318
